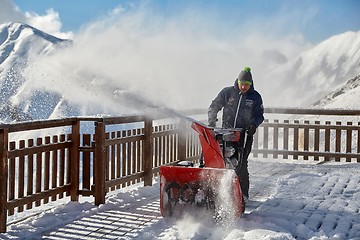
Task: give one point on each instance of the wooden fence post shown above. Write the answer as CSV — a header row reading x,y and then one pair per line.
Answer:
x,y
348,141
3,178
182,132
276,138
296,139
266,138
148,155
75,173
286,139
338,138
99,163
358,142
317,140
306,139
327,140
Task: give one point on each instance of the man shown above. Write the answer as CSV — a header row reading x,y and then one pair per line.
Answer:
x,y
242,108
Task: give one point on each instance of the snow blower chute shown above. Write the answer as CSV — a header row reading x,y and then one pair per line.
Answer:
x,y
213,185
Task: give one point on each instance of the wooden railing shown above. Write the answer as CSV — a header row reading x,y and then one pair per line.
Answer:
x,y
315,134
45,161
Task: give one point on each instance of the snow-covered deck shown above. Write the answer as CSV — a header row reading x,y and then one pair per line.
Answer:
x,y
289,200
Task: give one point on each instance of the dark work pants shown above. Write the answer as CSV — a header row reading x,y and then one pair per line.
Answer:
x,y
243,151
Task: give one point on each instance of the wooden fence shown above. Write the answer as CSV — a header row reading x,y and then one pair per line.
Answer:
x,y
315,134
44,161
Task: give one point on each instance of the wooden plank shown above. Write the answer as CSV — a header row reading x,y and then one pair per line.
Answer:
x,y
276,138
121,120
255,143
124,180
124,139
163,147
123,157
164,131
38,149
134,151
62,165
38,172
107,160
348,141
327,140
75,161
156,148
112,160
266,138
168,146
40,124
314,126
12,175
37,197
306,138
316,140
30,173
3,178
21,178
54,169
309,153
286,138
165,152
47,169
139,154
338,140
172,148
296,138
86,162
148,153
100,188
311,111
68,164
358,141
128,157
118,158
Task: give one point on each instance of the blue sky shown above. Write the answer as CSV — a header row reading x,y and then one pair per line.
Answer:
x,y
316,20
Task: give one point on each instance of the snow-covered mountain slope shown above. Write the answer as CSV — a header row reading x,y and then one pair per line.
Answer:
x,y
347,97
19,44
319,70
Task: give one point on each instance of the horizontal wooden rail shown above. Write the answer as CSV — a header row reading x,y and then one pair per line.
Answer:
x,y
37,196
307,153
38,149
313,111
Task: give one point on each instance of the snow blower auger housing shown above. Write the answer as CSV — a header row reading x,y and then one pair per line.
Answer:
x,y
213,185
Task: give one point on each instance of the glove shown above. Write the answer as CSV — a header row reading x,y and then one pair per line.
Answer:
x,y
251,130
212,123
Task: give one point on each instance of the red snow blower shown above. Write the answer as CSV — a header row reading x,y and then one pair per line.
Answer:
x,y
213,185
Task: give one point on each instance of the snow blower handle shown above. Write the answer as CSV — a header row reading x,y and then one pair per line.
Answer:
x,y
229,134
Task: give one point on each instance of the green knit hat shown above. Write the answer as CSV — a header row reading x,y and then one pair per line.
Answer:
x,y
245,76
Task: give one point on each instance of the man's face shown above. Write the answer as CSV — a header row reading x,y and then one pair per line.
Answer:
x,y
244,86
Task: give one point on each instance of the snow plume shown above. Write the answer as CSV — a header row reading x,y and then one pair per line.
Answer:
x,y
225,210
179,61
49,23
